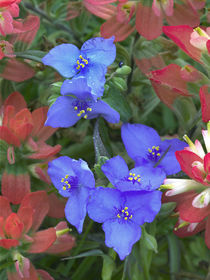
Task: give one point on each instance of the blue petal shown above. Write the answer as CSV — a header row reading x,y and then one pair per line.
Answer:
x,y
76,207
169,163
63,58
95,75
104,203
115,169
85,175
100,108
121,236
77,87
62,113
138,138
100,50
58,169
143,205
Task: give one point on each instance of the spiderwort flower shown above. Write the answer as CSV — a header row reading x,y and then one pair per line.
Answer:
x,y
90,62
144,146
139,178
122,213
73,179
68,109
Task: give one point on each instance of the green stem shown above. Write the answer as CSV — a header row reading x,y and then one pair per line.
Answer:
x,y
78,248
28,56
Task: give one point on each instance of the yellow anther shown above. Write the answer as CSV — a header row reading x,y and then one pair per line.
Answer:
x,y
69,186
118,215
125,218
89,109
78,62
158,154
157,148
134,174
130,178
66,182
85,116
82,111
126,212
130,174
153,153
131,216
150,150
123,211
139,180
138,176
80,57
75,108
135,178
153,147
64,188
67,176
126,208
78,67
62,180
82,65
79,115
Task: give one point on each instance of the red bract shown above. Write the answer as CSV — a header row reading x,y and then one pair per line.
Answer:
x,y
23,32
20,231
193,42
23,130
205,102
168,83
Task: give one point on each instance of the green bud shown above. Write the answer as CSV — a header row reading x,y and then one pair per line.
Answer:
x,y
120,83
52,99
124,70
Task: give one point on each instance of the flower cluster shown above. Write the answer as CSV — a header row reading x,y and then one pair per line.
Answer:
x,y
192,195
23,146
88,67
133,198
19,235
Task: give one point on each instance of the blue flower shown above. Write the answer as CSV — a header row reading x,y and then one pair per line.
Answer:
x,y
143,177
73,179
75,103
144,146
90,62
122,213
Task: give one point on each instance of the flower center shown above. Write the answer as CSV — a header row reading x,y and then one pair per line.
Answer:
x,y
134,177
82,108
69,182
124,214
81,63
154,153
1,17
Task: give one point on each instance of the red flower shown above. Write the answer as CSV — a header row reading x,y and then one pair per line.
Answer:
x,y
20,231
193,42
192,195
24,132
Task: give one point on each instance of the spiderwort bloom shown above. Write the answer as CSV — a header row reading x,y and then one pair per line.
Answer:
x,y
77,102
144,146
73,179
90,62
139,178
122,213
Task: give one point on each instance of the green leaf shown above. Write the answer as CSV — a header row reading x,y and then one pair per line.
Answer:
x,y
118,102
174,255
31,54
108,267
149,241
86,254
166,209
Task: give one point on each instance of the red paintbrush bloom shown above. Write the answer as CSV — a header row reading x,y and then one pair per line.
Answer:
x,y
148,19
192,195
23,137
19,235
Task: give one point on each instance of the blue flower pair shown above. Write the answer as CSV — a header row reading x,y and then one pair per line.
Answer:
x,y
88,67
